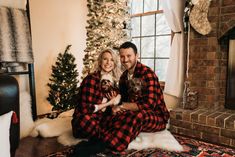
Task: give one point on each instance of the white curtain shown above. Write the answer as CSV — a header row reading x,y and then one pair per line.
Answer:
x,y
173,10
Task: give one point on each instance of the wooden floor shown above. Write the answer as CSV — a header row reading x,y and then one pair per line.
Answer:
x,y
37,147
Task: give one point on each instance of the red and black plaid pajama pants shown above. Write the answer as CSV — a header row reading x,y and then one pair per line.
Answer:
x,y
117,130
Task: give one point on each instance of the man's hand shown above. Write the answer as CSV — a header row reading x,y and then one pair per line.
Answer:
x,y
118,110
130,106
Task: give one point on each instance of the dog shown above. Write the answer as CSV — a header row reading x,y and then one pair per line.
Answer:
x,y
108,86
135,89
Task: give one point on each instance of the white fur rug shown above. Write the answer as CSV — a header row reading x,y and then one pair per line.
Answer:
x,y
26,120
61,127
46,127
162,139
51,127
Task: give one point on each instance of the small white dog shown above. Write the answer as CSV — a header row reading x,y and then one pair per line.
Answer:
x,y
108,86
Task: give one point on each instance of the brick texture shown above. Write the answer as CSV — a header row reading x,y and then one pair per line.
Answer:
x,y
208,56
207,75
210,125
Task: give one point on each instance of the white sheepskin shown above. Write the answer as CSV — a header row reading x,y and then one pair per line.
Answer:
x,y
26,120
67,139
162,139
35,132
68,113
46,127
52,127
61,127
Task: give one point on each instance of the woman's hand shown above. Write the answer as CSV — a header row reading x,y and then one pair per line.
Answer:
x,y
111,95
115,101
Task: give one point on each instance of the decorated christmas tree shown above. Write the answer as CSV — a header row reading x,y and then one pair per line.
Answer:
x,y
63,82
108,27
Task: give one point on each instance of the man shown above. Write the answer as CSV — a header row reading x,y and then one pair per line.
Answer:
x,y
147,114
149,111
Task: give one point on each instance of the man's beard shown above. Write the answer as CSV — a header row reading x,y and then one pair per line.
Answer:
x,y
131,67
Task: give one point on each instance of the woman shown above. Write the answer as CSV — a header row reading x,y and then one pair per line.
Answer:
x,y
88,119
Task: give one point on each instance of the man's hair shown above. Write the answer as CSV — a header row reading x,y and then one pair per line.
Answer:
x,y
127,45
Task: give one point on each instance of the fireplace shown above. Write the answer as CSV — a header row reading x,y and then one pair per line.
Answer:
x,y
230,84
212,74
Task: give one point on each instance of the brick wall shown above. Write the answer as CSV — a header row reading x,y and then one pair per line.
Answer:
x,y
227,17
207,74
208,55
215,126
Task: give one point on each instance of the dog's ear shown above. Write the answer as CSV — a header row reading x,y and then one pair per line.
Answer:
x,y
116,84
131,83
140,82
143,83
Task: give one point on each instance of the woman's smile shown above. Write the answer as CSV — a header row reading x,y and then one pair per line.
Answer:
x,y
107,63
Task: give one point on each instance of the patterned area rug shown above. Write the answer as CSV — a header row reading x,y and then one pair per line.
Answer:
x,y
192,148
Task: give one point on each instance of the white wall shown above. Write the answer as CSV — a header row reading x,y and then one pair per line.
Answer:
x,y
55,24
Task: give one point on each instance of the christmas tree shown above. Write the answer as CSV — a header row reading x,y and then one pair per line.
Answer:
x,y
108,27
63,82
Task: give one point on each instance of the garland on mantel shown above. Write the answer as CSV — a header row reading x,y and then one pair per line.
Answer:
x,y
108,26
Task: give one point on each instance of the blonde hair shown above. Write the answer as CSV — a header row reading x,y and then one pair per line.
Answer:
x,y
116,72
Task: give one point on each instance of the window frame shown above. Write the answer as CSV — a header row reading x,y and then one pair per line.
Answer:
x,y
140,37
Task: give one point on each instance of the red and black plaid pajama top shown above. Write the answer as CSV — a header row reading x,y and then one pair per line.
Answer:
x,y
119,130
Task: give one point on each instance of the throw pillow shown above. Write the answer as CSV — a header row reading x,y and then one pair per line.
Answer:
x,y
19,4
5,121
